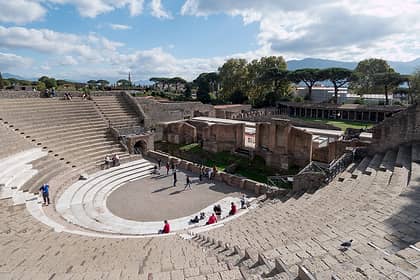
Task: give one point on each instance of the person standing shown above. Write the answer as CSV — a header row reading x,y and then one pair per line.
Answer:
x,y
159,163
188,183
175,179
45,193
167,168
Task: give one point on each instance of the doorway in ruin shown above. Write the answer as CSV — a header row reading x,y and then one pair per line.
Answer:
x,y
140,147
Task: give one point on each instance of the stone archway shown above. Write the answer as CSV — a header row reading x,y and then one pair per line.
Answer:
x,y
140,147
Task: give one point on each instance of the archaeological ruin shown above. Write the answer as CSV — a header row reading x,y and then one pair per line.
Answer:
x,y
350,211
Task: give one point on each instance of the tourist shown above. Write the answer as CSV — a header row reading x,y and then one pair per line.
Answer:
x,y
115,160
233,209
167,168
195,220
173,167
166,228
188,183
212,219
84,96
107,161
44,189
218,210
214,171
202,215
175,179
243,201
155,169
159,163
200,176
209,173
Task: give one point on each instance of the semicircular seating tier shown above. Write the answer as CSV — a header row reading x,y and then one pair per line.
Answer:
x,y
84,202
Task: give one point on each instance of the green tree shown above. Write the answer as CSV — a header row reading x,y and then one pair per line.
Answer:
x,y
41,87
187,92
160,81
266,80
202,82
102,84
364,79
233,77
309,76
338,77
177,81
125,84
49,82
414,86
1,81
389,80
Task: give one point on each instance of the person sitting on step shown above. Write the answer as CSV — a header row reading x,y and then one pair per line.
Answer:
x,y
233,209
108,161
195,220
166,227
218,210
115,160
212,219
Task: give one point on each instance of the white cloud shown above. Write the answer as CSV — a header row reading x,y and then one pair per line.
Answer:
x,y
158,10
344,29
68,60
21,11
91,47
10,61
92,8
115,26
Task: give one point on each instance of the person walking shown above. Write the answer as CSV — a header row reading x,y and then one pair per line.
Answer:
x,y
188,183
175,179
167,168
45,193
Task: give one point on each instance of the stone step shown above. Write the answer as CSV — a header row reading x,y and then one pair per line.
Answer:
x,y
415,152
361,167
403,157
388,161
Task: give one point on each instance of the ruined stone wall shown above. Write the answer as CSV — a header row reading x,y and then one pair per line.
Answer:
x,y
173,111
229,179
19,94
223,137
299,146
179,133
402,127
228,112
307,181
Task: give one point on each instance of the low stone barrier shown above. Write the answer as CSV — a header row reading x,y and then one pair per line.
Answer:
x,y
227,178
307,181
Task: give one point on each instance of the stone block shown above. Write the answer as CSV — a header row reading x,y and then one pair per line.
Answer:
x,y
304,274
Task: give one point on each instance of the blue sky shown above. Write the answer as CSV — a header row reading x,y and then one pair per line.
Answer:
x,y
85,39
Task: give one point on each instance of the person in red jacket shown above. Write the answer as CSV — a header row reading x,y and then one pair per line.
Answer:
x,y
232,209
166,227
212,219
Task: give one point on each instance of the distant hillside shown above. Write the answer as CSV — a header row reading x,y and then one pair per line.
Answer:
x,y
12,76
401,67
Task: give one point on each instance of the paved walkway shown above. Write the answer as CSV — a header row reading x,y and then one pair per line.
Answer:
x,y
154,198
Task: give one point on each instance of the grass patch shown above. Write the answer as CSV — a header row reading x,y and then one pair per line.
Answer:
x,y
254,169
343,125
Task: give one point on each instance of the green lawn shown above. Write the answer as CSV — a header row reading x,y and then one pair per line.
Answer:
x,y
253,169
343,125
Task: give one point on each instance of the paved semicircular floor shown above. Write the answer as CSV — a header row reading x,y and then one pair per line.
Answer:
x,y
155,199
